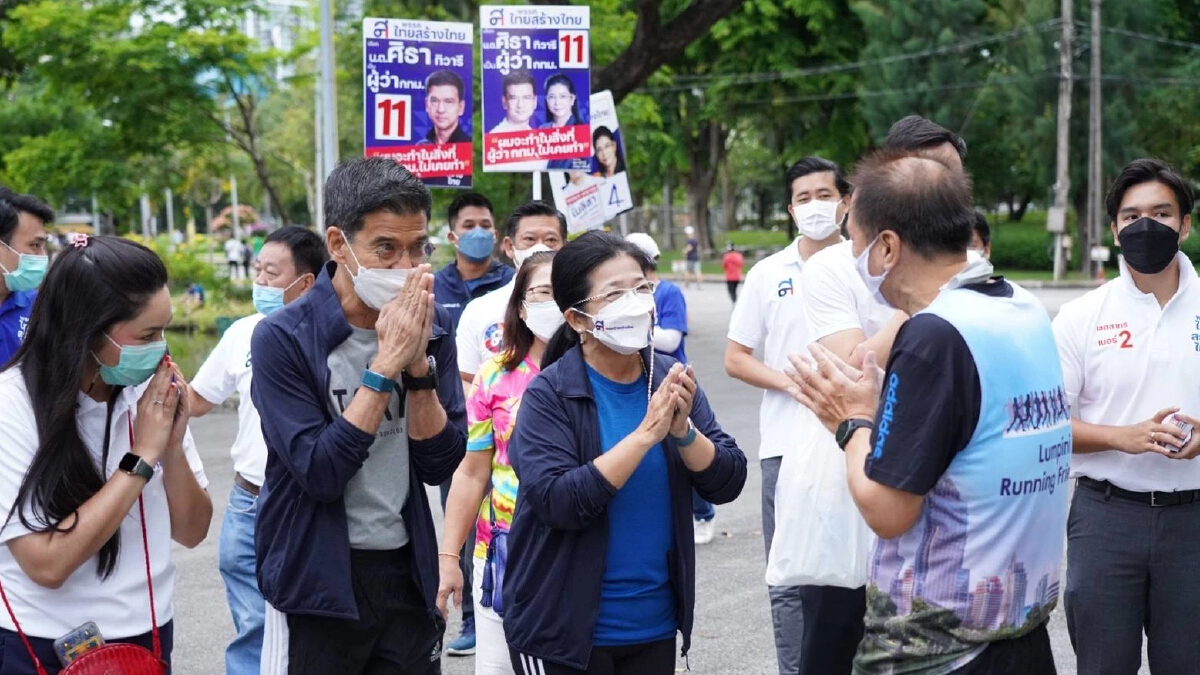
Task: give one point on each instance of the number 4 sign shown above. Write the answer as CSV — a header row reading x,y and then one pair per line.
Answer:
x,y
393,119
573,49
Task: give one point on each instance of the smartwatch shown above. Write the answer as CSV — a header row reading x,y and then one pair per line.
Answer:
x,y
136,466
375,381
846,429
430,381
688,438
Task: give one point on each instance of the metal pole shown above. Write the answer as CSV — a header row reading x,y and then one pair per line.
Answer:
x,y
1062,183
95,215
1096,146
537,186
233,197
145,203
170,203
318,172
328,94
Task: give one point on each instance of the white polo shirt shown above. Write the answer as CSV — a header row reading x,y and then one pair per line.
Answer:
x,y
480,333
836,298
1124,358
769,316
227,370
119,604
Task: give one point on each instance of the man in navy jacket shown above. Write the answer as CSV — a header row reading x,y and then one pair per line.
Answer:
x,y
361,405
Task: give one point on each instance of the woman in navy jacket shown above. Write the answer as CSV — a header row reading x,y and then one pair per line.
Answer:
x,y
609,443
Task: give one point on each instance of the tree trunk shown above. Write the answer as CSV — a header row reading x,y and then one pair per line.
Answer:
x,y
763,207
264,177
706,152
1019,212
728,199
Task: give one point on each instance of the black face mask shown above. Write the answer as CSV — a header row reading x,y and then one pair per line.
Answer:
x,y
1148,245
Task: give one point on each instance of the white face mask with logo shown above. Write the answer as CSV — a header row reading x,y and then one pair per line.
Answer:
x,y
816,219
543,319
376,286
624,325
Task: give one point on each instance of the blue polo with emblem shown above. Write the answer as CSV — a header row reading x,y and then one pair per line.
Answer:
x,y
14,319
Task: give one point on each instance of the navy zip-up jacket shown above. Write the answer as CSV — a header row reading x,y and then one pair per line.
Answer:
x,y
301,538
451,292
559,534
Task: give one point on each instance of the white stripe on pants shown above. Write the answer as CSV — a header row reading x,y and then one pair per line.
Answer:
x,y
531,665
275,643
491,647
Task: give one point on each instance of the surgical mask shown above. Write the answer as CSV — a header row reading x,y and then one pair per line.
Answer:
x,y
624,325
136,365
543,318
477,244
978,270
1148,246
268,299
816,219
376,286
31,269
874,283
520,256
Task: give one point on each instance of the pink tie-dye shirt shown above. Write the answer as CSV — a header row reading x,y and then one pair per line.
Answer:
x,y
492,405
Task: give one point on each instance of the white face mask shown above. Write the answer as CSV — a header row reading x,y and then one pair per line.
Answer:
x,y
520,256
377,286
624,325
543,319
816,219
874,283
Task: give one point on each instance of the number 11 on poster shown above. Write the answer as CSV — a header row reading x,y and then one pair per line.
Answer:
x,y
573,49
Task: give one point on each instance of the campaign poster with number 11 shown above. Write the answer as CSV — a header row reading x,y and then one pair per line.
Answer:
x,y
536,87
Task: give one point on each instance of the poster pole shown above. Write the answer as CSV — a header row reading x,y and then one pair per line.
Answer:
x,y
537,186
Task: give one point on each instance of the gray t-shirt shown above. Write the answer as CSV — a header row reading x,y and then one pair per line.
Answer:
x,y
378,491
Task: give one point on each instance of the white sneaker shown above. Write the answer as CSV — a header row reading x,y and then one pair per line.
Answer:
x,y
704,531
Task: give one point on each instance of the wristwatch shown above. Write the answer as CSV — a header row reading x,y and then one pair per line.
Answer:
x,y
688,438
136,466
430,381
375,381
846,429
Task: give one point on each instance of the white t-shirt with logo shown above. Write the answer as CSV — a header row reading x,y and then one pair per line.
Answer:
x,y
119,605
227,370
769,316
836,298
1124,358
480,333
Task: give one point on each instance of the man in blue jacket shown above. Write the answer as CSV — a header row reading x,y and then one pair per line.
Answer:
x,y
359,393
475,270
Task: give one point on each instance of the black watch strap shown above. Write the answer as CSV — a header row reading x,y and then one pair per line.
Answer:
x,y
136,466
846,429
430,381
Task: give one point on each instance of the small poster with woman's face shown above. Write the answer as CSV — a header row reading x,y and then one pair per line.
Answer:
x,y
595,190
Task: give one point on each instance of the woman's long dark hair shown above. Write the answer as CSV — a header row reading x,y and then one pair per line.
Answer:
x,y
571,278
566,82
605,132
518,339
86,291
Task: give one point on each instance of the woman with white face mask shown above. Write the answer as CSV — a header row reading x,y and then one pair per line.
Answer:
x,y
493,399
610,442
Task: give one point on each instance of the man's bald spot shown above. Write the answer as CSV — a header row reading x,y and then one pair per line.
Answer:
x,y
924,201
920,174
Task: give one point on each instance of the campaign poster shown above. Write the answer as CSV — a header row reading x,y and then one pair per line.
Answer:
x,y
594,190
417,79
536,87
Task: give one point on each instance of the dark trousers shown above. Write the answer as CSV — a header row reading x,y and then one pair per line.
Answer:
x,y
833,627
14,659
651,658
466,555
1027,655
1132,568
732,286
393,635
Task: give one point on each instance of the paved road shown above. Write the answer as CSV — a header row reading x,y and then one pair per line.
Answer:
x,y
733,631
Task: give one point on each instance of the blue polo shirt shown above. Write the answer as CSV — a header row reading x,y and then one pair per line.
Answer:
x,y
14,318
453,293
671,313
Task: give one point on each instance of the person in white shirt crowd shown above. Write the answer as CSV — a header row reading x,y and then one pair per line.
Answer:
x,y
533,226
1130,355
288,265
769,315
233,256
98,473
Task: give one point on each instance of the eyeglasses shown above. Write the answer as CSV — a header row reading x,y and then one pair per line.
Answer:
x,y
609,297
389,254
539,293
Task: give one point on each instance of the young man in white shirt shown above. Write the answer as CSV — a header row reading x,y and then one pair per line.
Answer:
x,y
769,315
534,226
288,265
1130,354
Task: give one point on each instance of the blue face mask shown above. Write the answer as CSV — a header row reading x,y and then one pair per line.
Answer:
x,y
477,244
29,273
136,365
268,299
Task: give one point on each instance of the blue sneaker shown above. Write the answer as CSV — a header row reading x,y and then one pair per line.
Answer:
x,y
464,645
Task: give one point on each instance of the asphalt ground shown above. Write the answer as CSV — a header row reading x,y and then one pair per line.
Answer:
x,y
733,628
